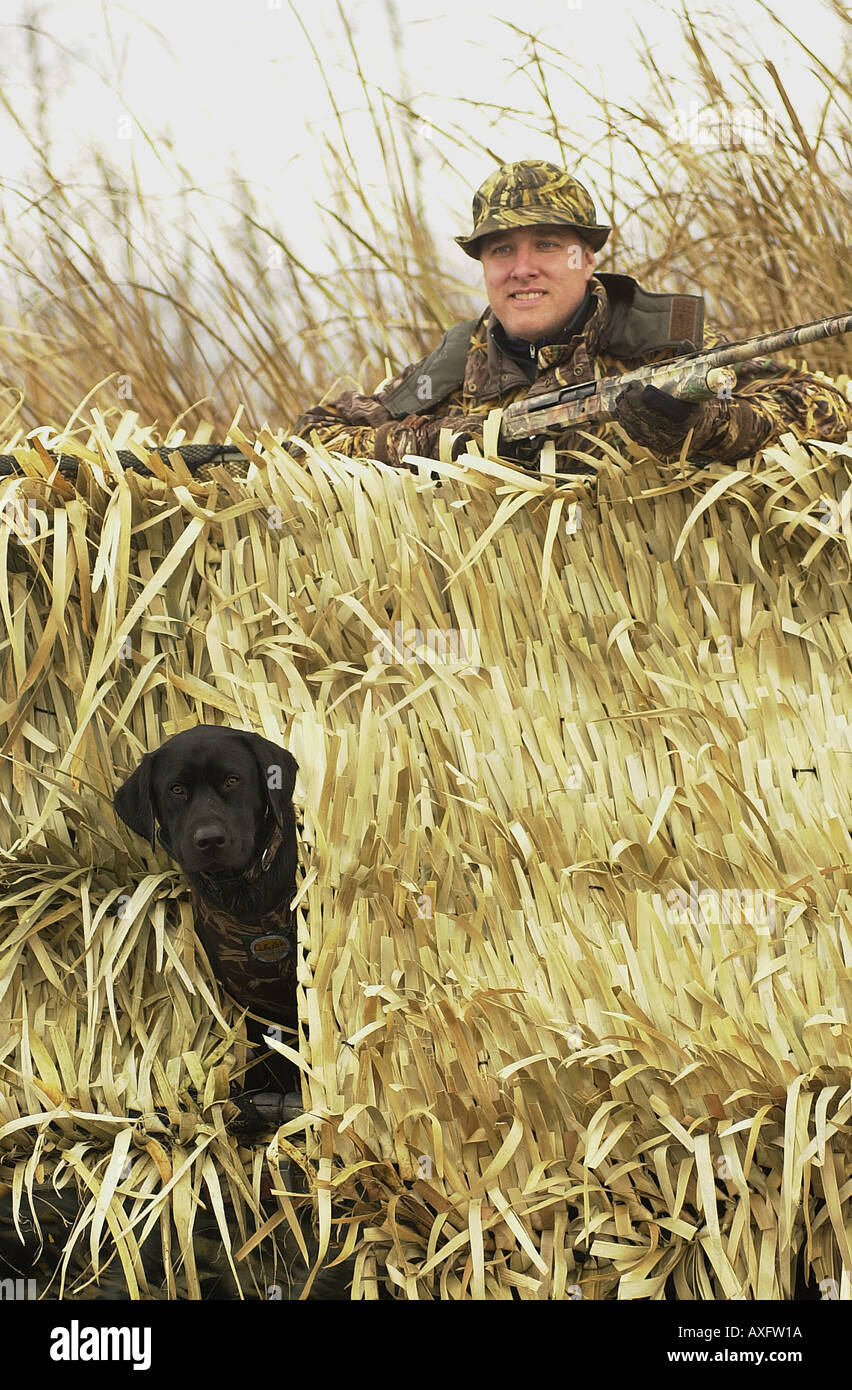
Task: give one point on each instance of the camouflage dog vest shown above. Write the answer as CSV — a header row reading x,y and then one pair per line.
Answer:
x,y
256,962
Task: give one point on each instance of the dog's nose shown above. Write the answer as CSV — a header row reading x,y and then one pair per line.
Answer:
x,y
206,837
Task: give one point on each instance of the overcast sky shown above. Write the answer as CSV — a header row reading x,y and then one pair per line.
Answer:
x,y
236,84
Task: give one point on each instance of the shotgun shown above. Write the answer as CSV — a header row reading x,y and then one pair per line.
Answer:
x,y
195,456
697,376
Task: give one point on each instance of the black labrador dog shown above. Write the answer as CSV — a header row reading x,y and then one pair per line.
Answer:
x,y
223,802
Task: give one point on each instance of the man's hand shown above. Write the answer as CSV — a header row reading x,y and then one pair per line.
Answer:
x,y
729,428
421,434
657,420
466,431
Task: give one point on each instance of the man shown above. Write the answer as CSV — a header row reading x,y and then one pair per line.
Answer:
x,y
552,322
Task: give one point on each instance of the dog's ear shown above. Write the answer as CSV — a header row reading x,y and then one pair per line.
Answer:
x,y
278,770
134,800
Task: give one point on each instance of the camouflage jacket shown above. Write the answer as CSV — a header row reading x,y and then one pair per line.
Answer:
x,y
255,963
775,397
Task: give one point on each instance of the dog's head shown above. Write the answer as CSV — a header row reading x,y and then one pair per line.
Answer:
x,y
214,792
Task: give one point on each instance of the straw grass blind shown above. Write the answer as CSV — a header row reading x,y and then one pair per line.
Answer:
x,y
574,893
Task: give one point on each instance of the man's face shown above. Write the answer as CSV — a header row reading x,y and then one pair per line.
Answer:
x,y
535,278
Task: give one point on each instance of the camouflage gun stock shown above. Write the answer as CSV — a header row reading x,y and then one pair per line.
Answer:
x,y
697,376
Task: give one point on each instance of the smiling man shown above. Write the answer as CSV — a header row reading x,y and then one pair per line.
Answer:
x,y
551,322
537,280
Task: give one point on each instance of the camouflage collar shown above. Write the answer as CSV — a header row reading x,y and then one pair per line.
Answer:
x,y
590,335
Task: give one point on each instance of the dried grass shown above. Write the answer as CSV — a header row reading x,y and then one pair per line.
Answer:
x,y
524,1076
191,318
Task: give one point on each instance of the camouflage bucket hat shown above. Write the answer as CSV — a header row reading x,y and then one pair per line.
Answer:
x,y
528,194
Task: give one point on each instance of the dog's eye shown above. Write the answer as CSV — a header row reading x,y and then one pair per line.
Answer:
x,y
177,789
232,780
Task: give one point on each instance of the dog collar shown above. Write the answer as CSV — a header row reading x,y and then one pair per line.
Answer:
x,y
272,848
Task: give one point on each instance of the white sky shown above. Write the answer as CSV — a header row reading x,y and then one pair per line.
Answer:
x,y
236,84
